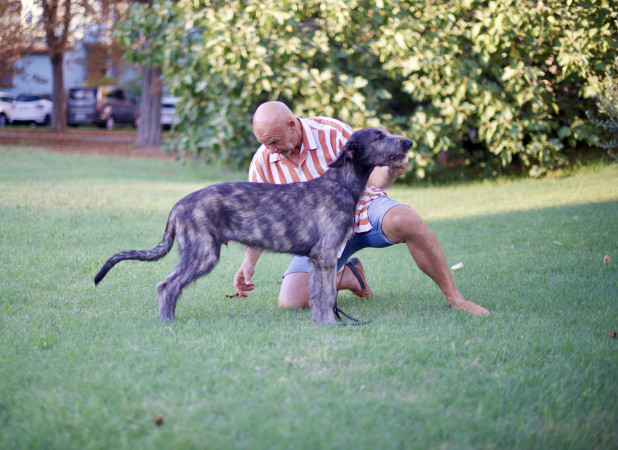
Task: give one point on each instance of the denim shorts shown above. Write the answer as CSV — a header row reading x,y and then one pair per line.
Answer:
x,y
373,238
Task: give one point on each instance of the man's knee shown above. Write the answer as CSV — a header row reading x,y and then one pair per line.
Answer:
x,y
292,302
402,223
294,291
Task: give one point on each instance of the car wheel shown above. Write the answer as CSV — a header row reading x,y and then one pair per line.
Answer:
x,y
109,123
3,120
47,121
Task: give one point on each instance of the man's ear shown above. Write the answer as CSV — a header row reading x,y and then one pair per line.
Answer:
x,y
346,154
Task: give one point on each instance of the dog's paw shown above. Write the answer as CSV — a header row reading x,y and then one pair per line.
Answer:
x,y
472,308
325,318
166,318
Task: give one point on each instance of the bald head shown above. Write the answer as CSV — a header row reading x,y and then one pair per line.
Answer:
x,y
269,116
275,126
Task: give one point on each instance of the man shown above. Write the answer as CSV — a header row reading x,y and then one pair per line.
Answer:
x,y
295,149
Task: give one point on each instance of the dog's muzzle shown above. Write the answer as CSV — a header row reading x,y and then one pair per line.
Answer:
x,y
400,161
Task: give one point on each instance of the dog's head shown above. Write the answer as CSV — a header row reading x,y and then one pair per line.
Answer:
x,y
373,147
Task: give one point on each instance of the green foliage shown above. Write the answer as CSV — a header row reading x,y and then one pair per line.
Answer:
x,y
142,32
500,83
226,59
607,110
481,87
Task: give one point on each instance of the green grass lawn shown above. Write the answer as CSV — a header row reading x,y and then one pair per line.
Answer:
x,y
85,367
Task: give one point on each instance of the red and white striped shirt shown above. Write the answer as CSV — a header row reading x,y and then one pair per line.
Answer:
x,y
323,139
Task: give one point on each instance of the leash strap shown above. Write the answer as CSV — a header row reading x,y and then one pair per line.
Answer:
x,y
336,309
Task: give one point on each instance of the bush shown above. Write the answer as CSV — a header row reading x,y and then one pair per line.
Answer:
x,y
481,87
500,85
606,117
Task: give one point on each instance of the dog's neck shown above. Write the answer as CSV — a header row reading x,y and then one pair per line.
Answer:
x,y
351,177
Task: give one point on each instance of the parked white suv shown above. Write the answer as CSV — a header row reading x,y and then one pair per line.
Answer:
x,y
6,102
168,111
32,108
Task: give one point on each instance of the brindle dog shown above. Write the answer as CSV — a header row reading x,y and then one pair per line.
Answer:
x,y
314,218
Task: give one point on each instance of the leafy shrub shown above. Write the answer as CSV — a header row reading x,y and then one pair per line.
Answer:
x,y
500,84
606,117
482,87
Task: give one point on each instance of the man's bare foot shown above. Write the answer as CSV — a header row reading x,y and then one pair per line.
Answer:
x,y
472,308
354,279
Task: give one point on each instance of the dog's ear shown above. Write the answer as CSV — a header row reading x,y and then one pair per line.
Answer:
x,y
346,154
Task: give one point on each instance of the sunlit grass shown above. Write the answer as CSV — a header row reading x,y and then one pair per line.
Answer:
x,y
92,368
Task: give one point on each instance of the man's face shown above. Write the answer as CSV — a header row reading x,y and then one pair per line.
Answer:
x,y
278,140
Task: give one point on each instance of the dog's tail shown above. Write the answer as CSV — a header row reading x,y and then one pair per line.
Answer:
x,y
156,253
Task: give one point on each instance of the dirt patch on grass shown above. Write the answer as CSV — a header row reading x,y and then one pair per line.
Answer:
x,y
115,143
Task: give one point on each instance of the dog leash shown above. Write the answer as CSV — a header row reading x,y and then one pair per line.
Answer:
x,y
337,310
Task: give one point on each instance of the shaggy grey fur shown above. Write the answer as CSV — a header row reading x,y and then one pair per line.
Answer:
x,y
314,218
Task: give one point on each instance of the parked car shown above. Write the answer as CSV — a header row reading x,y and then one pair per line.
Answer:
x,y
6,102
32,108
105,106
168,111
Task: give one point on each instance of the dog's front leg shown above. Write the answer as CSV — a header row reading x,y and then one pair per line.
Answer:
x,y
323,295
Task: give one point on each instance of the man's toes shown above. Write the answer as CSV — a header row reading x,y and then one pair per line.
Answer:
x,y
472,308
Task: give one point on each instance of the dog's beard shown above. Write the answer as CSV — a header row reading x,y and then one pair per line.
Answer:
x,y
399,163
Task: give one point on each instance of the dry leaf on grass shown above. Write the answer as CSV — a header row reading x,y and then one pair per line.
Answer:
x,y
232,296
612,334
158,421
607,259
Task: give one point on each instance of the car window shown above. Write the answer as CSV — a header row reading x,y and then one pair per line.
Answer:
x,y
6,99
27,98
117,94
82,94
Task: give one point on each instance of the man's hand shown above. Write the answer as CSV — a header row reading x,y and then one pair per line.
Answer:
x,y
242,279
383,176
394,173
472,308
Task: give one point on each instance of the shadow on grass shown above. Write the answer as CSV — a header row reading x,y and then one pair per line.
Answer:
x,y
81,364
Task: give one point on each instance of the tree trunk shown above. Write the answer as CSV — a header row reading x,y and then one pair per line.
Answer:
x,y
149,129
58,118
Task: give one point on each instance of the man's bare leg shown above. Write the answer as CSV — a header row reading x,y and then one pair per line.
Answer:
x,y
295,293
402,224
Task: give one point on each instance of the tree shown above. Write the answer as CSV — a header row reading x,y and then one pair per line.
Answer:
x,y
60,20
103,53
481,87
56,19
502,84
606,117
140,35
149,130
16,39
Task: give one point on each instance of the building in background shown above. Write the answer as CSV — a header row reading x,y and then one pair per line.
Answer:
x,y
94,58
33,72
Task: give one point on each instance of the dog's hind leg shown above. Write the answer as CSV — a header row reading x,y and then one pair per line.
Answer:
x,y
193,264
323,290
